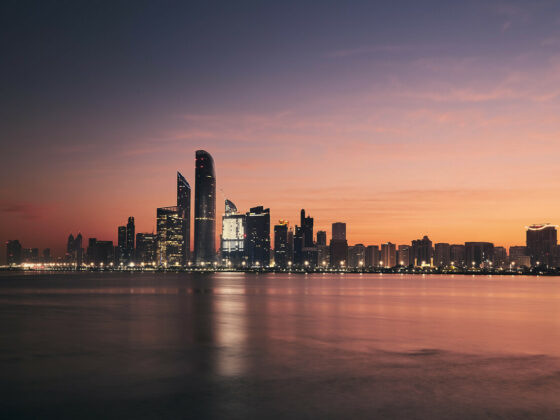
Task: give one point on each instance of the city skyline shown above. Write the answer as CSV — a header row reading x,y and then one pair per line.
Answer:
x,y
403,124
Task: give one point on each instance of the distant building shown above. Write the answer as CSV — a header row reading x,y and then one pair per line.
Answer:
x,y
422,252
298,244
356,256
290,249
204,209
146,248
170,243
478,253
403,255
13,252
233,236
100,253
388,255
281,244
257,242
75,250
541,243
30,255
130,235
500,257
184,207
322,237
338,253
121,252
47,255
307,229
339,231
372,256
442,255
323,255
457,255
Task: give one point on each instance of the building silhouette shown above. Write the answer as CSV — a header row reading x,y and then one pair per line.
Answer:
x,y
13,252
307,229
403,255
281,244
457,255
541,244
100,253
130,236
339,231
258,237
146,248
422,252
356,256
478,253
121,250
321,237
184,207
442,255
232,244
75,250
389,255
204,209
372,256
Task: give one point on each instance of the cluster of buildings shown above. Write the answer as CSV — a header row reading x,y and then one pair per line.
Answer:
x,y
245,241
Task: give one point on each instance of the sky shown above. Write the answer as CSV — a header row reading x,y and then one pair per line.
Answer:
x,y
400,118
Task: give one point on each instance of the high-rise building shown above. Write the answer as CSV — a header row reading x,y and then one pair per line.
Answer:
x,y
121,245
233,236
389,255
422,252
130,235
541,243
356,256
500,257
518,257
338,253
258,237
442,255
339,231
281,244
457,255
307,229
30,255
403,255
372,256
204,209
184,206
478,253
13,252
146,248
321,237
170,241
74,250
290,249
100,253
298,246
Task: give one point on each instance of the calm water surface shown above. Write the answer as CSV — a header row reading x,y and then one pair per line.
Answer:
x,y
233,346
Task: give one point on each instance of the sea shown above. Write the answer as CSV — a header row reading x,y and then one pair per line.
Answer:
x,y
231,345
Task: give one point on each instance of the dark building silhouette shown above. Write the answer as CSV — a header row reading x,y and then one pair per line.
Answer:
x,y
281,244
500,257
130,236
30,255
321,237
170,243
442,255
356,256
478,253
389,255
100,252
258,236
75,250
13,252
422,251
457,255
204,209
339,231
146,248
232,244
121,245
307,229
298,246
372,256
46,255
290,250
541,243
184,206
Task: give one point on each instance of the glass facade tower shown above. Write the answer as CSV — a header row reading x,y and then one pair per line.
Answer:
x,y
204,209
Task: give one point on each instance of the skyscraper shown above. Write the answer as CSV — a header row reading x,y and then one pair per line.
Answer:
x,y
422,251
457,255
146,248
321,237
121,245
404,255
204,209
184,206
442,255
130,236
258,237
233,236
307,229
541,243
356,256
389,255
339,231
281,244
169,236
372,256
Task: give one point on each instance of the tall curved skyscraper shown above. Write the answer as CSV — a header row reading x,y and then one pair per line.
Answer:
x,y
204,209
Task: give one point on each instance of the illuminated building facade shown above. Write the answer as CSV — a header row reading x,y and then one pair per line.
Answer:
x,y
169,237
500,257
356,256
184,206
233,236
541,244
403,255
258,237
146,248
204,209
422,252
457,255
